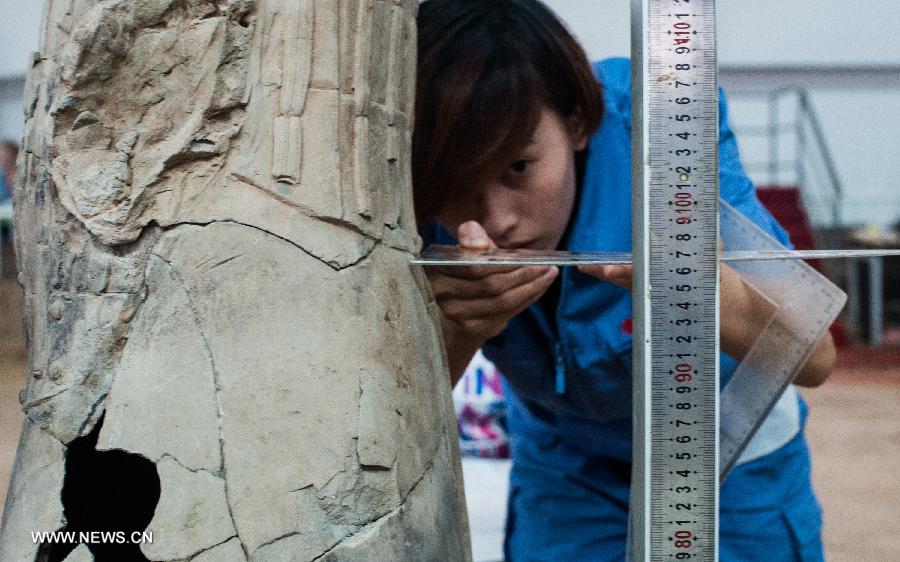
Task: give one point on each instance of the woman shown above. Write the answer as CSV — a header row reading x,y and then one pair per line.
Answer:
x,y
520,143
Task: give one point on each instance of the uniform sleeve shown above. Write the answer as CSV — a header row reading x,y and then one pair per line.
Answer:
x,y
433,233
734,185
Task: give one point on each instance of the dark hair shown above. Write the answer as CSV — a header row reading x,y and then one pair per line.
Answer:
x,y
486,68
9,145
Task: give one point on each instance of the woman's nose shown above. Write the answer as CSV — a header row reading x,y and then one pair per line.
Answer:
x,y
499,216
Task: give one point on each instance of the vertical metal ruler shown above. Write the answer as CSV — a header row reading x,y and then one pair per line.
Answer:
x,y
674,504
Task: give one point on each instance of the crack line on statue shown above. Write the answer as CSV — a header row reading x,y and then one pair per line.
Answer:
x,y
305,210
171,457
374,522
208,548
216,391
275,540
312,214
333,266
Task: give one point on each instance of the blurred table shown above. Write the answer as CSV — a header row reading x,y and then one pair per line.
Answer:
x,y
869,238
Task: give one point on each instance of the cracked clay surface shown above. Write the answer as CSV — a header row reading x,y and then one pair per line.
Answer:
x,y
214,227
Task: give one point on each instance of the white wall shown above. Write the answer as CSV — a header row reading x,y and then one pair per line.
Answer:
x,y
11,109
20,24
809,31
761,32
861,124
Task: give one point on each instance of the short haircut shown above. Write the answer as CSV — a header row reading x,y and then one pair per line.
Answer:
x,y
486,69
9,151
9,145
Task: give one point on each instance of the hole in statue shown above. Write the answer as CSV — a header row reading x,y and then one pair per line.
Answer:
x,y
111,492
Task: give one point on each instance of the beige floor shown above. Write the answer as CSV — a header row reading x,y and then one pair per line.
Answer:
x,y
12,377
854,431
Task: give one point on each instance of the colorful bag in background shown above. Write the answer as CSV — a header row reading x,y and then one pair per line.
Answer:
x,y
481,411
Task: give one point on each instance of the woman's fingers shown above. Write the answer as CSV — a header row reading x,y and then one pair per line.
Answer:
x,y
620,275
480,300
496,283
507,303
471,271
473,236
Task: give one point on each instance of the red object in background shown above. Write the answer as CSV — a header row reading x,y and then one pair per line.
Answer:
x,y
786,205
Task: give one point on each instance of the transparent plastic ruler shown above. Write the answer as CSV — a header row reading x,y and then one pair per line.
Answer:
x,y
804,304
440,255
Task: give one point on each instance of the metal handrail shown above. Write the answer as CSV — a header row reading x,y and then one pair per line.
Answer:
x,y
809,134
822,143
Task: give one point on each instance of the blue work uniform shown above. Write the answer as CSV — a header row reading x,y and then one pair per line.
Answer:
x,y
568,382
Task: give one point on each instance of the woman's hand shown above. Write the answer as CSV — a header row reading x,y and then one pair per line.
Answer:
x,y
620,275
477,302
744,315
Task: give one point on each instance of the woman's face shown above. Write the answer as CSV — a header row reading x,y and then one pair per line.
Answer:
x,y
528,204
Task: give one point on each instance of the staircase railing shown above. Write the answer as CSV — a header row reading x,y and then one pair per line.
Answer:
x,y
796,152
787,147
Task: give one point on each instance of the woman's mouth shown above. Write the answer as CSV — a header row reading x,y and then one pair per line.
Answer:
x,y
525,245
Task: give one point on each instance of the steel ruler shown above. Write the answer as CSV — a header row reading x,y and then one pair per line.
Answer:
x,y
674,488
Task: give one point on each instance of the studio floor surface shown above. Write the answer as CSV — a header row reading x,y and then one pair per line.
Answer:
x,y
854,432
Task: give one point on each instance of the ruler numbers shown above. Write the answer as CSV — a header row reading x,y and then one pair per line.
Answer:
x,y
683,218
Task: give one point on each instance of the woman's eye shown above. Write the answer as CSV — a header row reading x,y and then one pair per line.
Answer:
x,y
520,166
